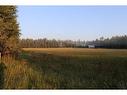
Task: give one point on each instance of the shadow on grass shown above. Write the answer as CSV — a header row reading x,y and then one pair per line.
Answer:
x,y
67,72
2,69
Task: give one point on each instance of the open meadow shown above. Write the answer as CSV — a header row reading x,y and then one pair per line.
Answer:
x,y
66,68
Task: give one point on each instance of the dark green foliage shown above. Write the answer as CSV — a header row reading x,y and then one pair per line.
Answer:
x,y
9,29
114,42
118,42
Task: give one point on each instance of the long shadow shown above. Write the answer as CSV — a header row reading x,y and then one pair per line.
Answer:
x,y
44,62
2,69
48,64
65,72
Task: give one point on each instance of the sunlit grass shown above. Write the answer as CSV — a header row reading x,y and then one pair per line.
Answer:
x,y
66,68
81,68
78,51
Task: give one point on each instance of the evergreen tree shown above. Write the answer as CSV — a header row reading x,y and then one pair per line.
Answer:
x,y
9,29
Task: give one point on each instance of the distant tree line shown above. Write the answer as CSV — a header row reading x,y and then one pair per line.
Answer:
x,y
45,43
118,42
113,42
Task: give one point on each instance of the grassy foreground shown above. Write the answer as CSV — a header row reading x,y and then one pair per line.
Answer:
x,y
66,68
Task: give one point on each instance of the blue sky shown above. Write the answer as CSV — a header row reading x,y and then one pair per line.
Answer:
x,y
72,22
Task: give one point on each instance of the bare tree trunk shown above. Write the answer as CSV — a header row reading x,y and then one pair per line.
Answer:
x,y
0,58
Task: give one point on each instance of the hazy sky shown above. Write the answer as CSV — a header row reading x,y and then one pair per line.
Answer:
x,y
72,22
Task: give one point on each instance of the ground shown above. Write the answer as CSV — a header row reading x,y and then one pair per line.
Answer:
x,y
67,68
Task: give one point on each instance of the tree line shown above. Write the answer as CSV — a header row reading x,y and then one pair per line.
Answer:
x,y
118,42
46,43
113,42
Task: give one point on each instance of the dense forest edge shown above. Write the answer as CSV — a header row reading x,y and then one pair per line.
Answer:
x,y
116,42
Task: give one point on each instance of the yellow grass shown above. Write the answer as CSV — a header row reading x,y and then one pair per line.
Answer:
x,y
59,68
78,51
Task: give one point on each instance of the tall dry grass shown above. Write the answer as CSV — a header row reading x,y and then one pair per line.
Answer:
x,y
65,69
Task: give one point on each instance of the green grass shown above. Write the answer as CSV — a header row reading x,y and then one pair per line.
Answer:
x,y
67,69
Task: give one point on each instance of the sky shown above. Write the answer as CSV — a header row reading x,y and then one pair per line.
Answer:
x,y
72,22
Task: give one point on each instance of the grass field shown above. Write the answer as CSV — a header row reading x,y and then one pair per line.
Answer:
x,y
67,68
